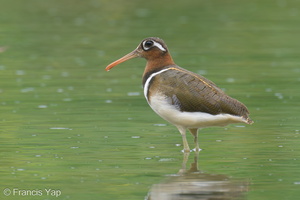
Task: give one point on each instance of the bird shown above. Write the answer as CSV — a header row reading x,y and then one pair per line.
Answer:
x,y
181,97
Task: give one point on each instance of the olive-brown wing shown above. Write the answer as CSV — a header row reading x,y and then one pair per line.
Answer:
x,y
191,92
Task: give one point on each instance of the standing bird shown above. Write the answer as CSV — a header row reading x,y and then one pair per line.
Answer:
x,y
183,98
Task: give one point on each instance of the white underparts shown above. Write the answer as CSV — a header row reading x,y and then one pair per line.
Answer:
x,y
169,112
160,104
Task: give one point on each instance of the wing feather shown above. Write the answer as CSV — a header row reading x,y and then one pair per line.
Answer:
x,y
190,92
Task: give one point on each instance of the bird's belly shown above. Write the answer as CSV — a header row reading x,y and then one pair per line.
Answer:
x,y
198,119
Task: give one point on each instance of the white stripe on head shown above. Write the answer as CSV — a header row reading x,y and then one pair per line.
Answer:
x,y
159,46
147,46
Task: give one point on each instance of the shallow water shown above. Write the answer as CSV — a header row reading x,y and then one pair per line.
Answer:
x,y
69,126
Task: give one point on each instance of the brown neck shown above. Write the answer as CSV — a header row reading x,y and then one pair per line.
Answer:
x,y
158,63
155,65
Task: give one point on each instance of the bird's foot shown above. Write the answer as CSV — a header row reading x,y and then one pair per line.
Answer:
x,y
186,150
197,149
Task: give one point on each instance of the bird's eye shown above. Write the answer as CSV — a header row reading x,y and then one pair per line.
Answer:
x,y
148,44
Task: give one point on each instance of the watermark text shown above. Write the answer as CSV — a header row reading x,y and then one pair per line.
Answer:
x,y
32,192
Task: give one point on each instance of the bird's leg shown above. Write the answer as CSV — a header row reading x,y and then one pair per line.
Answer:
x,y
194,165
184,161
182,131
194,132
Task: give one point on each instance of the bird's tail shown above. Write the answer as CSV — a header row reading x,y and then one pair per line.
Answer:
x,y
249,121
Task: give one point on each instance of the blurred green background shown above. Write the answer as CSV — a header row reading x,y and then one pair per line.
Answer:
x,y
68,125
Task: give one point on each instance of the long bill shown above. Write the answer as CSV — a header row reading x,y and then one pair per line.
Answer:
x,y
131,55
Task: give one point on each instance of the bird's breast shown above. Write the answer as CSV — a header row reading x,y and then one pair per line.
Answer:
x,y
186,100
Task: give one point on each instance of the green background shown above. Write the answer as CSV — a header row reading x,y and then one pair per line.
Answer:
x,y
68,125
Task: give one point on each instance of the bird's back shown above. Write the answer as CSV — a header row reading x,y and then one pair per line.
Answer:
x,y
190,92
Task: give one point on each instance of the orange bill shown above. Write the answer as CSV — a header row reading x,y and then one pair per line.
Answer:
x,y
131,55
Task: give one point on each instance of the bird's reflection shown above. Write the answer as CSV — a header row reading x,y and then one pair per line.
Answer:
x,y
194,184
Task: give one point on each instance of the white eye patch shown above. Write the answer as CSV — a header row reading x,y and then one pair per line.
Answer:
x,y
149,44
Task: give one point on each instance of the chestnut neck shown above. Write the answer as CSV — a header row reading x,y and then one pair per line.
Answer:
x,y
158,63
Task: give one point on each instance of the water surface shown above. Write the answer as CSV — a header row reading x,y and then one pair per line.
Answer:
x,y
69,126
